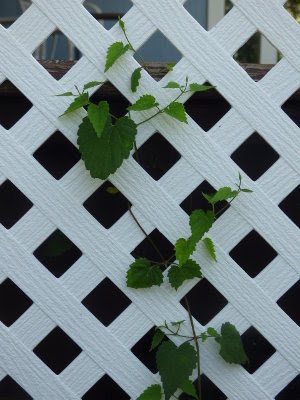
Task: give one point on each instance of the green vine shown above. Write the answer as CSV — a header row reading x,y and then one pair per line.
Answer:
x,y
105,141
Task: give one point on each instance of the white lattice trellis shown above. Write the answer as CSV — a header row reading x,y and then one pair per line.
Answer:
x,y
58,204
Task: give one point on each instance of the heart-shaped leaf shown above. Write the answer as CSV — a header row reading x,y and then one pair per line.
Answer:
x,y
175,365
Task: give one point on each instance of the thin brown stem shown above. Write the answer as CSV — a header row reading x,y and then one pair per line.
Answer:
x,y
195,338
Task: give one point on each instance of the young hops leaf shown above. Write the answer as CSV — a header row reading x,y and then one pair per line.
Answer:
x,y
184,249
80,101
177,275
200,223
114,52
209,244
153,392
172,85
222,194
177,111
121,24
247,190
142,274
103,156
157,339
195,87
189,388
170,66
135,79
175,365
98,116
212,332
143,103
92,84
231,346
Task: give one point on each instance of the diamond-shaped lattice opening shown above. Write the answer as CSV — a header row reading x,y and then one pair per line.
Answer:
x,y
57,155
253,254
204,293
107,205
207,108
289,302
10,390
14,105
291,391
255,156
57,47
157,156
106,388
117,102
293,7
13,204
291,205
252,51
106,302
141,351
57,253
209,390
164,248
107,12
14,302
291,107
159,48
257,348
196,200
196,8
57,350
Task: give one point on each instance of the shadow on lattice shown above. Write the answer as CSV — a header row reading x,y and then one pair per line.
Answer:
x,y
57,350
253,253
207,108
156,156
14,302
13,204
106,388
108,7
57,155
107,205
57,253
9,390
15,106
196,200
106,292
255,156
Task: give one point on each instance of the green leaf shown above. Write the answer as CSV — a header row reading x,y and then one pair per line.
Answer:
x,y
195,87
200,223
121,24
153,392
104,155
57,245
92,84
172,85
112,190
212,332
157,339
177,111
247,190
80,101
177,275
142,274
114,52
170,66
175,365
184,249
222,194
189,388
178,322
65,94
209,244
143,103
135,79
203,336
98,116
231,346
